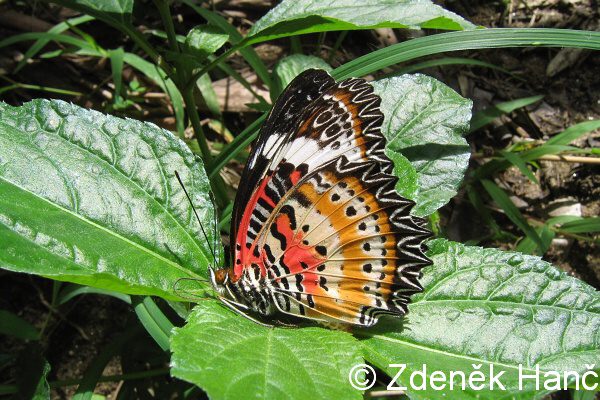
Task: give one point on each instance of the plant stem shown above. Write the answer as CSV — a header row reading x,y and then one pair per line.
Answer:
x,y
190,106
551,157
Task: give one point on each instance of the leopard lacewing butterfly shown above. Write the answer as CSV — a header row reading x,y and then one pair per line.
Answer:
x,y
318,230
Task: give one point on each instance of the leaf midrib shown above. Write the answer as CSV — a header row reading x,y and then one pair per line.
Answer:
x,y
127,178
500,302
100,227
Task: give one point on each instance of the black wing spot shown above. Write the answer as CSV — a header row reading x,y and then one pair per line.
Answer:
x,y
362,226
367,246
305,228
322,250
350,211
323,283
367,268
335,197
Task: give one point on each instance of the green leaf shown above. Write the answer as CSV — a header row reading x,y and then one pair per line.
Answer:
x,y
485,306
92,199
115,12
204,40
486,116
512,212
292,17
425,121
15,326
233,358
290,67
408,179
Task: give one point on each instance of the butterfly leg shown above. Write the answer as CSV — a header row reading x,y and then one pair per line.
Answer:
x,y
239,309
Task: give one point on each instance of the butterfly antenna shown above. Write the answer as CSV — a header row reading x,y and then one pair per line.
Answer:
x,y
197,217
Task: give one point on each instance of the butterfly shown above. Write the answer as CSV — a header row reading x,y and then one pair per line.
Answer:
x,y
318,230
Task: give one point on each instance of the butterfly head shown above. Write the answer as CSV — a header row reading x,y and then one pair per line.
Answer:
x,y
219,279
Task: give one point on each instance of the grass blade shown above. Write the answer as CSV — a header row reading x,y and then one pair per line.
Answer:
x,y
574,132
512,212
467,40
40,43
15,326
584,225
439,62
116,64
153,319
486,116
527,245
516,160
71,291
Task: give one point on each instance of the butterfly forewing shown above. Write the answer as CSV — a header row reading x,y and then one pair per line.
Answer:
x,y
324,227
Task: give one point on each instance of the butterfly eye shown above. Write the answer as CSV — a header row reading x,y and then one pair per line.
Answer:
x,y
221,276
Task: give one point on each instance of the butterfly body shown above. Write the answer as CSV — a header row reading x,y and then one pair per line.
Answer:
x,y
318,230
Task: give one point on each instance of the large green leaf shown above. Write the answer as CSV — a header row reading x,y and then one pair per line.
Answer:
x,y
483,307
290,67
92,199
204,40
231,357
112,11
425,121
292,17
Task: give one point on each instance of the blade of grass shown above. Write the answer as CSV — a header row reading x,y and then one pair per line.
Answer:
x,y
206,90
116,64
153,319
574,132
484,117
528,246
119,21
516,160
439,62
584,225
467,40
41,43
47,89
72,290
15,326
512,212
